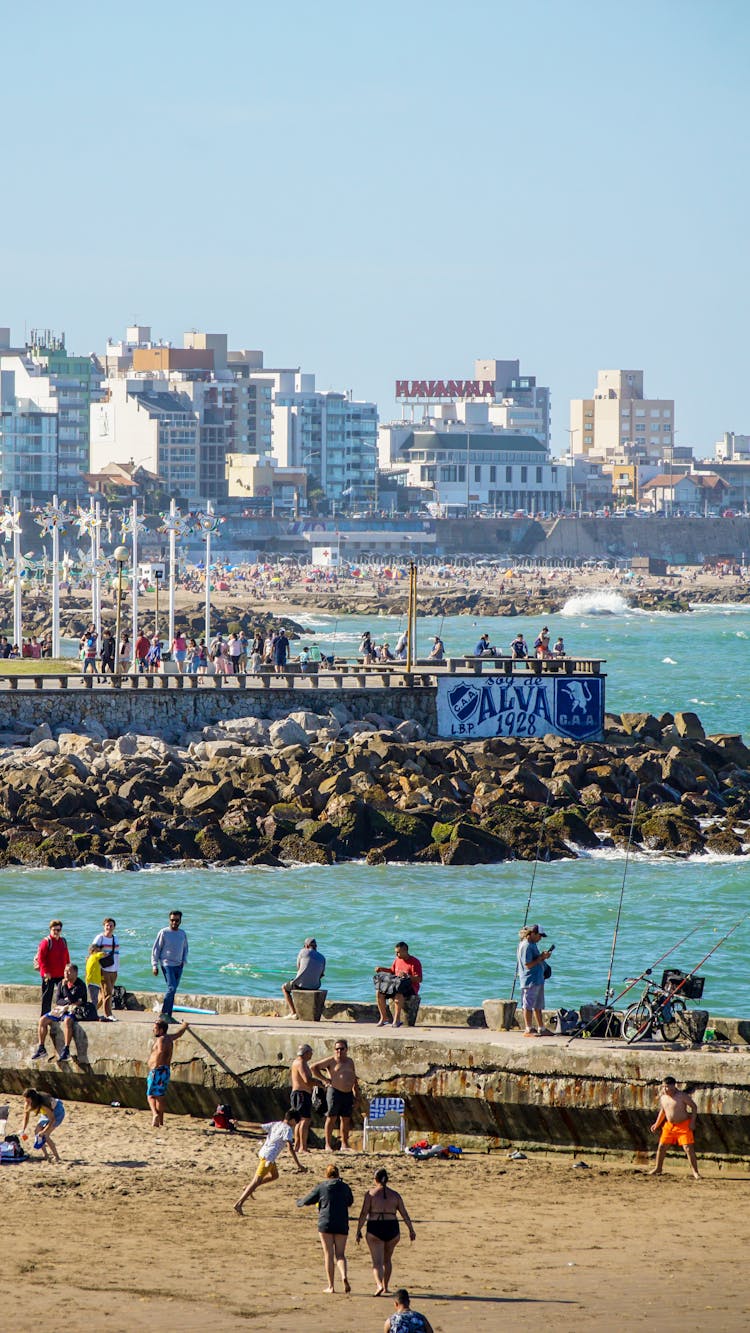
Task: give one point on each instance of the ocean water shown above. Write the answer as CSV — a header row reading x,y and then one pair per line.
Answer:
x,y
246,925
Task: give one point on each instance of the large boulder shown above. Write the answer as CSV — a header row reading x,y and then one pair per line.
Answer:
x,y
287,732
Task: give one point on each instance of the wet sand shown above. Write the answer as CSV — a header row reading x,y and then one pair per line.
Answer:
x,y
135,1230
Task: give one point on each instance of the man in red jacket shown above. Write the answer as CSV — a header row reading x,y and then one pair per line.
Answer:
x,y
52,958
142,646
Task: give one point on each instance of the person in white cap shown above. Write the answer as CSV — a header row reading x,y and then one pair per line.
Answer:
x,y
311,966
531,960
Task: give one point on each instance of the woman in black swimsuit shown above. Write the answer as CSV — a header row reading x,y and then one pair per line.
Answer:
x,y
380,1210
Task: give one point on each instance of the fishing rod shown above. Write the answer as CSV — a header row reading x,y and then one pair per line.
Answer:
x,y
609,1008
608,988
533,877
689,975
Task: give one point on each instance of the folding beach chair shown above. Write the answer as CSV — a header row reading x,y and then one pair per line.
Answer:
x,y
385,1116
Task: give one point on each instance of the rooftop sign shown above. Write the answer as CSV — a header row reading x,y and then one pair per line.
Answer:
x,y
432,389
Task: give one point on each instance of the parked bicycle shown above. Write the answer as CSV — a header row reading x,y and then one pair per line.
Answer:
x,y
663,1008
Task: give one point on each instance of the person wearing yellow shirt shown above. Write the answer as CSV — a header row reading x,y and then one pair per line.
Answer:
x,y
94,973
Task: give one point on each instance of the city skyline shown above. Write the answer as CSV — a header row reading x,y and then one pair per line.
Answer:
x,y
386,196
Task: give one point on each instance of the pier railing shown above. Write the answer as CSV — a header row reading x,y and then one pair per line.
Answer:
x,y
341,675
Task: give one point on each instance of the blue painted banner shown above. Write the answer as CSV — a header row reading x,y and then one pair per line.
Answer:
x,y
482,706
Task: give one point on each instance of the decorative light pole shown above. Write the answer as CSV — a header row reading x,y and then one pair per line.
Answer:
x,y
88,521
51,520
132,526
122,556
174,525
10,527
207,523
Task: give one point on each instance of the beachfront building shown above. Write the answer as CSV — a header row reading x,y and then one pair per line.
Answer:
x,y
701,493
617,424
471,471
43,456
142,422
181,410
497,398
329,434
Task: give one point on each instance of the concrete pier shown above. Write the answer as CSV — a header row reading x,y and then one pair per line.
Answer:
x,y
458,1081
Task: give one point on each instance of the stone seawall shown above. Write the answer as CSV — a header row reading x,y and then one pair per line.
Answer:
x,y
457,1082
171,713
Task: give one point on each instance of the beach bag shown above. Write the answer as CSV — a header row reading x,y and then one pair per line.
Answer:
x,y
567,1021
547,971
107,959
85,1013
387,983
119,998
319,1102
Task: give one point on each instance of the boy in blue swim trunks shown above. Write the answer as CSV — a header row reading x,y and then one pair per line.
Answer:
x,y
159,1068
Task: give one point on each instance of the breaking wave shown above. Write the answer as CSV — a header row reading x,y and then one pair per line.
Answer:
x,y
601,603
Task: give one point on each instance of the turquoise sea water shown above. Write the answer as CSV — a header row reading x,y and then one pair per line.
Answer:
x,y
245,926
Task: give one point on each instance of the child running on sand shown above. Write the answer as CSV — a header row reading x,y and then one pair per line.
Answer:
x,y
676,1119
278,1133
53,1114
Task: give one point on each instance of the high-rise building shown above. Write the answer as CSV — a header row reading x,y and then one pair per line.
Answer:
x,y
331,435
619,423
183,410
46,397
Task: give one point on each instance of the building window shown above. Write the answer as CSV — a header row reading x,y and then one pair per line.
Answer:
x,y
524,474
640,411
539,476
477,474
509,474
493,474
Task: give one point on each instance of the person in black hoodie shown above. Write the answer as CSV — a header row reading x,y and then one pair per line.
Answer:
x,y
334,1199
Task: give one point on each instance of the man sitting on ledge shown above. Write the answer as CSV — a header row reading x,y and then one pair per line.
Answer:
x,y
409,970
311,967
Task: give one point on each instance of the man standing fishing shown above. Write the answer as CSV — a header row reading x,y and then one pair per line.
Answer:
x,y
531,960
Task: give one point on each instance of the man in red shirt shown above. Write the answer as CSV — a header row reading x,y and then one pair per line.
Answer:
x,y
404,965
142,646
52,958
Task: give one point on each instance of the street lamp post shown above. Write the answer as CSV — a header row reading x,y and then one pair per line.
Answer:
x,y
122,555
571,431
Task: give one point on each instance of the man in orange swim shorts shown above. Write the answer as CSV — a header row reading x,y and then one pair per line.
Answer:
x,y
676,1120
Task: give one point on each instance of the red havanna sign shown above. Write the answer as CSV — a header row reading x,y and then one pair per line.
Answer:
x,y
431,389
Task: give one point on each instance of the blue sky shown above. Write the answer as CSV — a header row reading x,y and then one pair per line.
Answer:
x,y
382,191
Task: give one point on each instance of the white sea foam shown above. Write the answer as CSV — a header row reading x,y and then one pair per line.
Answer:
x,y
669,661
599,603
726,608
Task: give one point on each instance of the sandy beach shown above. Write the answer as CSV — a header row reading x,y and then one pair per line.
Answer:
x,y
135,1229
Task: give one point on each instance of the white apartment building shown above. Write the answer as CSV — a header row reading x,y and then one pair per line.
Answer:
x,y
152,425
329,434
619,423
41,380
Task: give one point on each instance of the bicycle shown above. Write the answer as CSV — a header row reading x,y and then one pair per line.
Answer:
x,y
658,1008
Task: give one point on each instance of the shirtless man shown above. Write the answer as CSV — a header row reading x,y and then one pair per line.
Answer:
x,y
301,1098
159,1068
341,1077
676,1119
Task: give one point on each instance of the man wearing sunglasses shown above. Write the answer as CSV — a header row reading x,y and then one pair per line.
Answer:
x,y
52,958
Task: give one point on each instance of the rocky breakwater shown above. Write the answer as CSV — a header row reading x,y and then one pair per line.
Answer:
x,y
320,788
